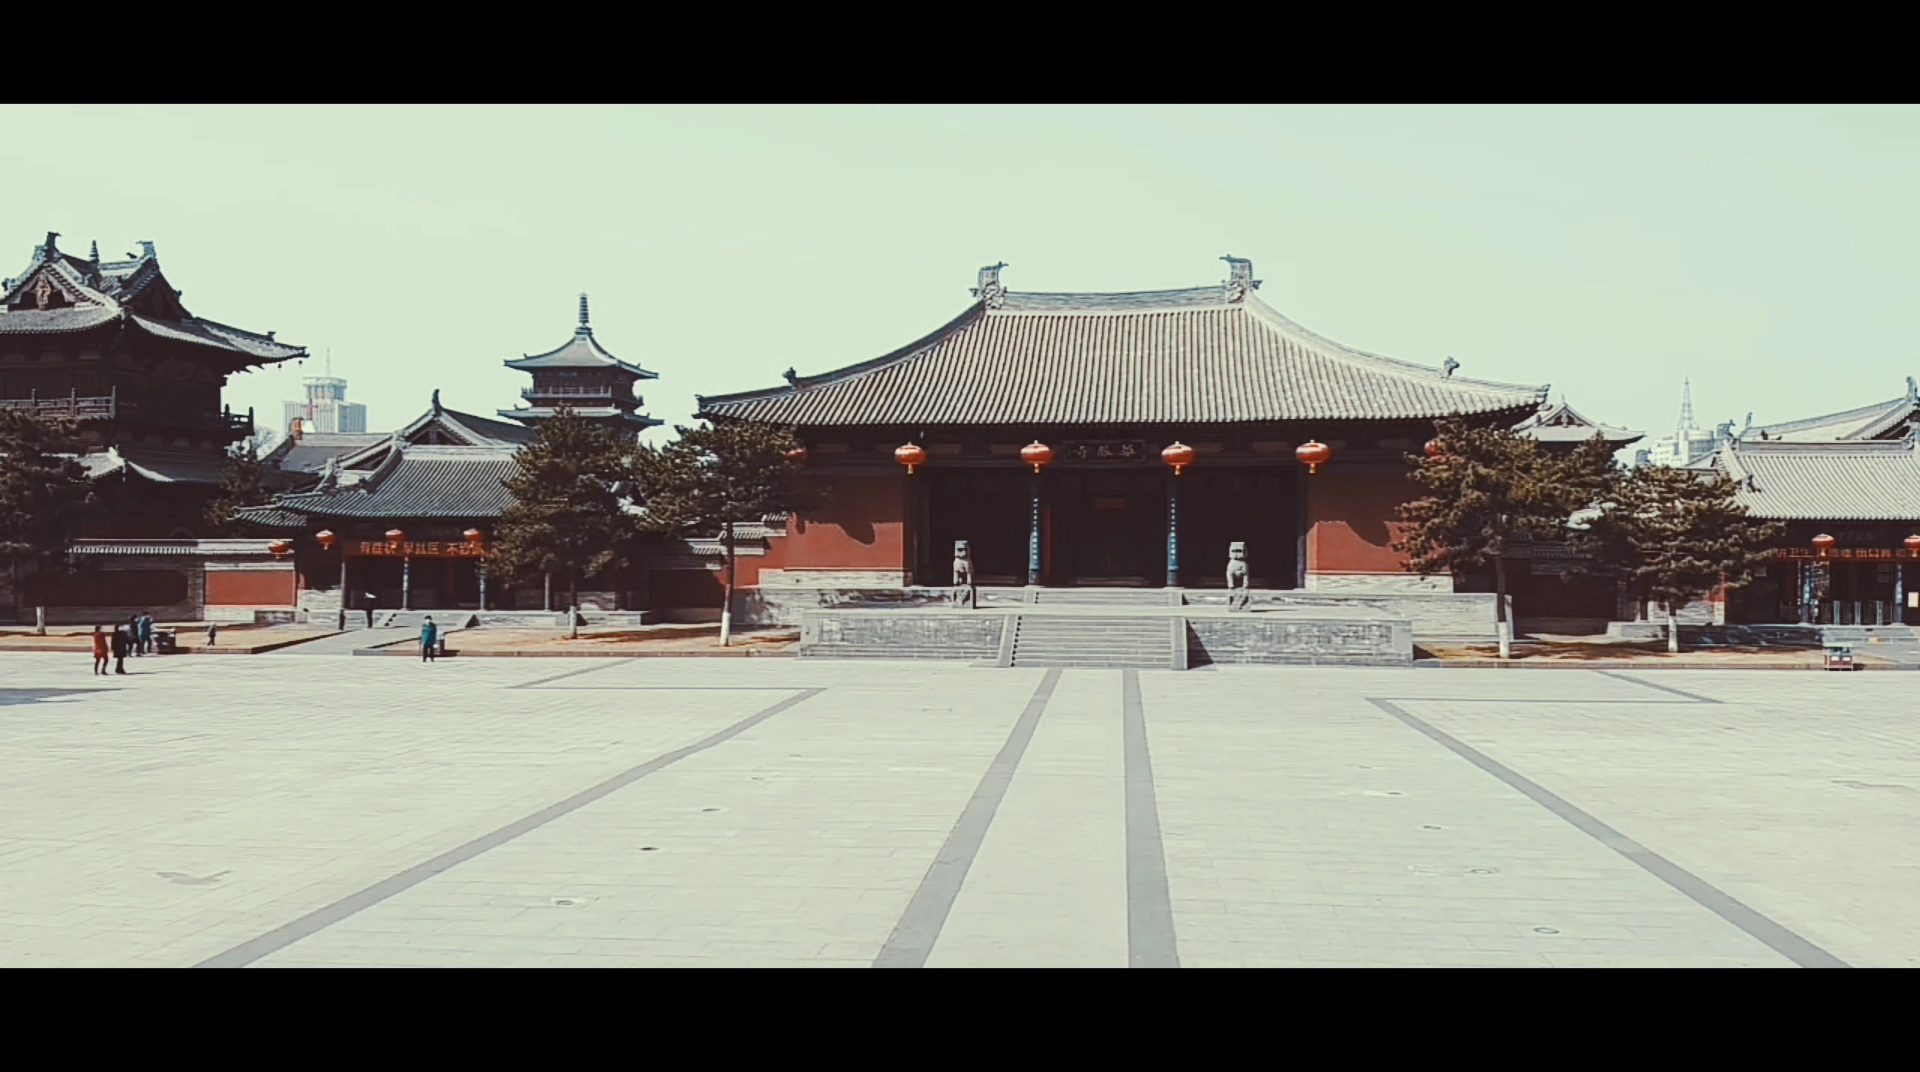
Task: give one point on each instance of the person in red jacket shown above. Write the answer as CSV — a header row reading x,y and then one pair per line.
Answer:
x,y
99,651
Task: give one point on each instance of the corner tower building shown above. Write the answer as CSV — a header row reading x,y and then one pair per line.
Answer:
x,y
585,378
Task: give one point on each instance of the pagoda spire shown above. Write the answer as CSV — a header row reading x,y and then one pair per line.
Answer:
x,y
584,328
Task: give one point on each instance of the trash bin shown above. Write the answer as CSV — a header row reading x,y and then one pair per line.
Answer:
x,y
163,642
1839,657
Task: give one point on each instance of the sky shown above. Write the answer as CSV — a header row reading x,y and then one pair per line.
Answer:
x,y
1771,255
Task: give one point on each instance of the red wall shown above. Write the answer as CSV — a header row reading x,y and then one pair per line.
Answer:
x,y
860,525
1351,514
250,588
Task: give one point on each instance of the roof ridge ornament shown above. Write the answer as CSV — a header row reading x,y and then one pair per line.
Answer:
x,y
436,402
1447,369
1913,390
1240,280
990,292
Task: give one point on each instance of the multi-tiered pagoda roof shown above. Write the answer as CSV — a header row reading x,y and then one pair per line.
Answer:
x,y
583,377
59,294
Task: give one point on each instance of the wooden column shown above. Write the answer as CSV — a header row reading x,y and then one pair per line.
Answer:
x,y
1173,530
1033,530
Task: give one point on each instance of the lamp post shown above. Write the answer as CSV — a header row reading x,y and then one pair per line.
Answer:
x,y
1900,579
1035,454
396,539
474,537
1177,456
1822,544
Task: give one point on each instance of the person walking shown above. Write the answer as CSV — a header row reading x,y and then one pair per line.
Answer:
x,y
121,641
100,651
429,635
213,633
146,634
133,634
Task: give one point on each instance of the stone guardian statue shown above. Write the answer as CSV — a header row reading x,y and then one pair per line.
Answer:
x,y
1237,592
964,594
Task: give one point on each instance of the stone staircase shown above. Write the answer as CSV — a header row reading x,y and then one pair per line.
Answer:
x,y
411,619
1105,597
1095,642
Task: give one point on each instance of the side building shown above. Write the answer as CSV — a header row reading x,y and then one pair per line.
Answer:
x,y
405,522
108,344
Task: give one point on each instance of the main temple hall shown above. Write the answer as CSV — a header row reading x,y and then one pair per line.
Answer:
x,y
1113,440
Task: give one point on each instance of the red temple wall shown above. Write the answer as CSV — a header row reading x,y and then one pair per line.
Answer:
x,y
860,526
257,588
1351,513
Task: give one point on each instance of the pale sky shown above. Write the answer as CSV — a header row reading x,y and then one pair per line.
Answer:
x,y
1770,254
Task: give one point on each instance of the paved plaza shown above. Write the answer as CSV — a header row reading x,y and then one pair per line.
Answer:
x,y
297,811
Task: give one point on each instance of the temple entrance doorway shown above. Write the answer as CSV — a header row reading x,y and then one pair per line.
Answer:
x,y
1251,506
1109,529
991,510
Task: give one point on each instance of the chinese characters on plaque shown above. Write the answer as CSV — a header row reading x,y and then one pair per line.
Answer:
x,y
1116,450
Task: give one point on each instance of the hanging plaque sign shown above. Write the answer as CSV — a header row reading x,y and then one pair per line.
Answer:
x,y
1103,450
413,549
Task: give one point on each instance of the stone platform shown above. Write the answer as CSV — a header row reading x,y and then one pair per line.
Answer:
x,y
1109,634
1444,617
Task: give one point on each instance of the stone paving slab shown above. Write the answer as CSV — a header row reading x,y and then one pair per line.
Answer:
x,y
671,813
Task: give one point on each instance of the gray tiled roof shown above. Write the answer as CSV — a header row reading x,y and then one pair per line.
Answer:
x,y
101,293
311,451
1561,424
157,465
1855,480
418,481
1881,420
1203,355
581,351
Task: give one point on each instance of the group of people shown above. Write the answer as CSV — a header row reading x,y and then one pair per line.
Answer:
x,y
133,638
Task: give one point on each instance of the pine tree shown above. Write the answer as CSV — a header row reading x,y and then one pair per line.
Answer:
x,y
242,484
715,477
1674,536
43,495
568,516
1487,490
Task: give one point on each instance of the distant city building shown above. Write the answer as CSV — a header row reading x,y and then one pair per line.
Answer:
x,y
326,408
1690,446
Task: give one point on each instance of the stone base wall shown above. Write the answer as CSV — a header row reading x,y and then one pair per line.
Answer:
x,y
1377,583
832,578
895,634
1449,616
1266,639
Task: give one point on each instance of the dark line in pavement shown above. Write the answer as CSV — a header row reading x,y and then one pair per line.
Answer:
x,y
608,664
1617,676
313,922
912,939
1150,935
1773,935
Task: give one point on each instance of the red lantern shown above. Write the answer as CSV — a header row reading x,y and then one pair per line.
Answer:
x,y
1179,455
797,455
1823,543
395,538
1435,448
910,455
326,538
1913,544
474,536
1313,455
1036,454
279,548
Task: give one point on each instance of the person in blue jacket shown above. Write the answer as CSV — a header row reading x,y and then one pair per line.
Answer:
x,y
429,636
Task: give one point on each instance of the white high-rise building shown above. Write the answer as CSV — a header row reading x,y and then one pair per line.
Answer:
x,y
326,408
1689,444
